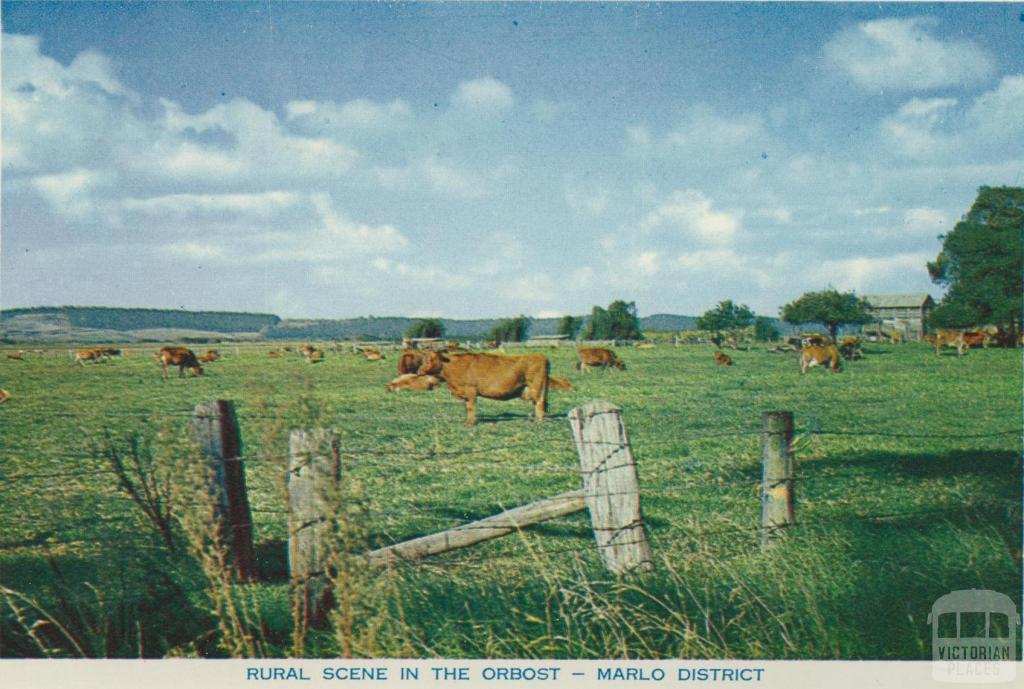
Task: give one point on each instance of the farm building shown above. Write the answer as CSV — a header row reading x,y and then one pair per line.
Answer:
x,y
907,313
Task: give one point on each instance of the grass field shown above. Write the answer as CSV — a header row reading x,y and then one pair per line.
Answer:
x,y
909,486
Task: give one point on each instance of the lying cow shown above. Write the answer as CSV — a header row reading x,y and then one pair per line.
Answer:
x,y
4,395
597,357
722,359
414,381
178,356
815,355
947,338
469,376
373,355
209,356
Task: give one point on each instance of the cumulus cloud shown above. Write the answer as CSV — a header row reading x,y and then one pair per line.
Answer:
x,y
996,115
690,213
486,94
905,55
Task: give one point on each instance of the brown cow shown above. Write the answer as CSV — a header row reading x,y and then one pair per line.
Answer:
x,y
414,381
4,395
597,357
83,355
410,361
17,356
849,348
314,356
494,377
815,355
947,338
210,356
181,357
723,359
975,338
373,355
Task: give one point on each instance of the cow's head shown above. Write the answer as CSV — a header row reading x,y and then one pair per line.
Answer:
x,y
432,362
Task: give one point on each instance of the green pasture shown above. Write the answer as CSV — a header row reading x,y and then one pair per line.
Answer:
x,y
909,486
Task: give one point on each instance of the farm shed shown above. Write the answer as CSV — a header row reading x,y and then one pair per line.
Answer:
x,y
907,313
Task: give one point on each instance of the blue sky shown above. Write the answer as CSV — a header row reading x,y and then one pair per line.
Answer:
x,y
471,159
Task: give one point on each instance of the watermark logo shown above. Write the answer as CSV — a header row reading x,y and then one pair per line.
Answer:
x,y
974,637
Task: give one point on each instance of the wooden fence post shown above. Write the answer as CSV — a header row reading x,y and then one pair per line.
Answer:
x,y
314,472
778,498
215,428
610,487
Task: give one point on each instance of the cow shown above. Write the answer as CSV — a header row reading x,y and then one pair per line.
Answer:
x,y
4,395
314,356
373,355
644,345
597,357
722,359
849,348
210,356
410,361
17,356
469,376
83,355
814,340
274,353
974,338
947,338
414,381
181,357
817,355
305,350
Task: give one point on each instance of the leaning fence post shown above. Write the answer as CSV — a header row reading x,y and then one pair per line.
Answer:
x,y
314,472
610,487
215,428
778,498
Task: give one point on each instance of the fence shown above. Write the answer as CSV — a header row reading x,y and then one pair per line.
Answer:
x,y
610,492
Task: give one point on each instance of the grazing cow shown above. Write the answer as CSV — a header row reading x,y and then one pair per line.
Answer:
x,y
210,356
314,356
4,395
597,357
722,359
816,355
947,338
181,357
974,338
849,347
469,376
410,361
414,381
373,355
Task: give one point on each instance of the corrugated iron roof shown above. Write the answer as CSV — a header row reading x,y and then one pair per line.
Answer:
x,y
890,301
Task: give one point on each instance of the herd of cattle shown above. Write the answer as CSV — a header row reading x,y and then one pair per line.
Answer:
x,y
469,375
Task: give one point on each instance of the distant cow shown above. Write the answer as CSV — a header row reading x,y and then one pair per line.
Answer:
x,y
469,376
947,338
597,358
314,356
414,381
209,356
373,355
4,395
84,355
849,348
723,359
181,357
410,361
274,353
975,338
17,356
644,345
815,355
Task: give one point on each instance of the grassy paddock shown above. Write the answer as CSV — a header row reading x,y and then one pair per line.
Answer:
x,y
909,486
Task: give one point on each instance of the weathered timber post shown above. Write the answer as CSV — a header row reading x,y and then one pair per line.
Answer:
x,y
778,498
610,487
215,428
314,472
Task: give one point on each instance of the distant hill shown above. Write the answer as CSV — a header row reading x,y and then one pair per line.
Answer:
x,y
87,324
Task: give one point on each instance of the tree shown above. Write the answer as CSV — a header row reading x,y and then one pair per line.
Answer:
x,y
829,307
618,322
981,264
510,330
765,330
725,316
569,326
426,327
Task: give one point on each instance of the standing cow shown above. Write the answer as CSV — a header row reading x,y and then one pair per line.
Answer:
x,y
178,356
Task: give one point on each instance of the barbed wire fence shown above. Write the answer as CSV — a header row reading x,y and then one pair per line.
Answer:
x,y
776,488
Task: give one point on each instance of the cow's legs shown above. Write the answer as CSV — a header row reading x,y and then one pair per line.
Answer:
x,y
470,406
542,401
181,371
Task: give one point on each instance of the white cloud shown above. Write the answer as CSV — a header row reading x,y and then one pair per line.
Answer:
x,y
869,273
904,54
926,221
359,113
999,114
483,95
258,205
690,212
916,129
437,175
72,194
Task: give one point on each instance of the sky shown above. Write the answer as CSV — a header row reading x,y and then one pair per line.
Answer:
x,y
467,160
